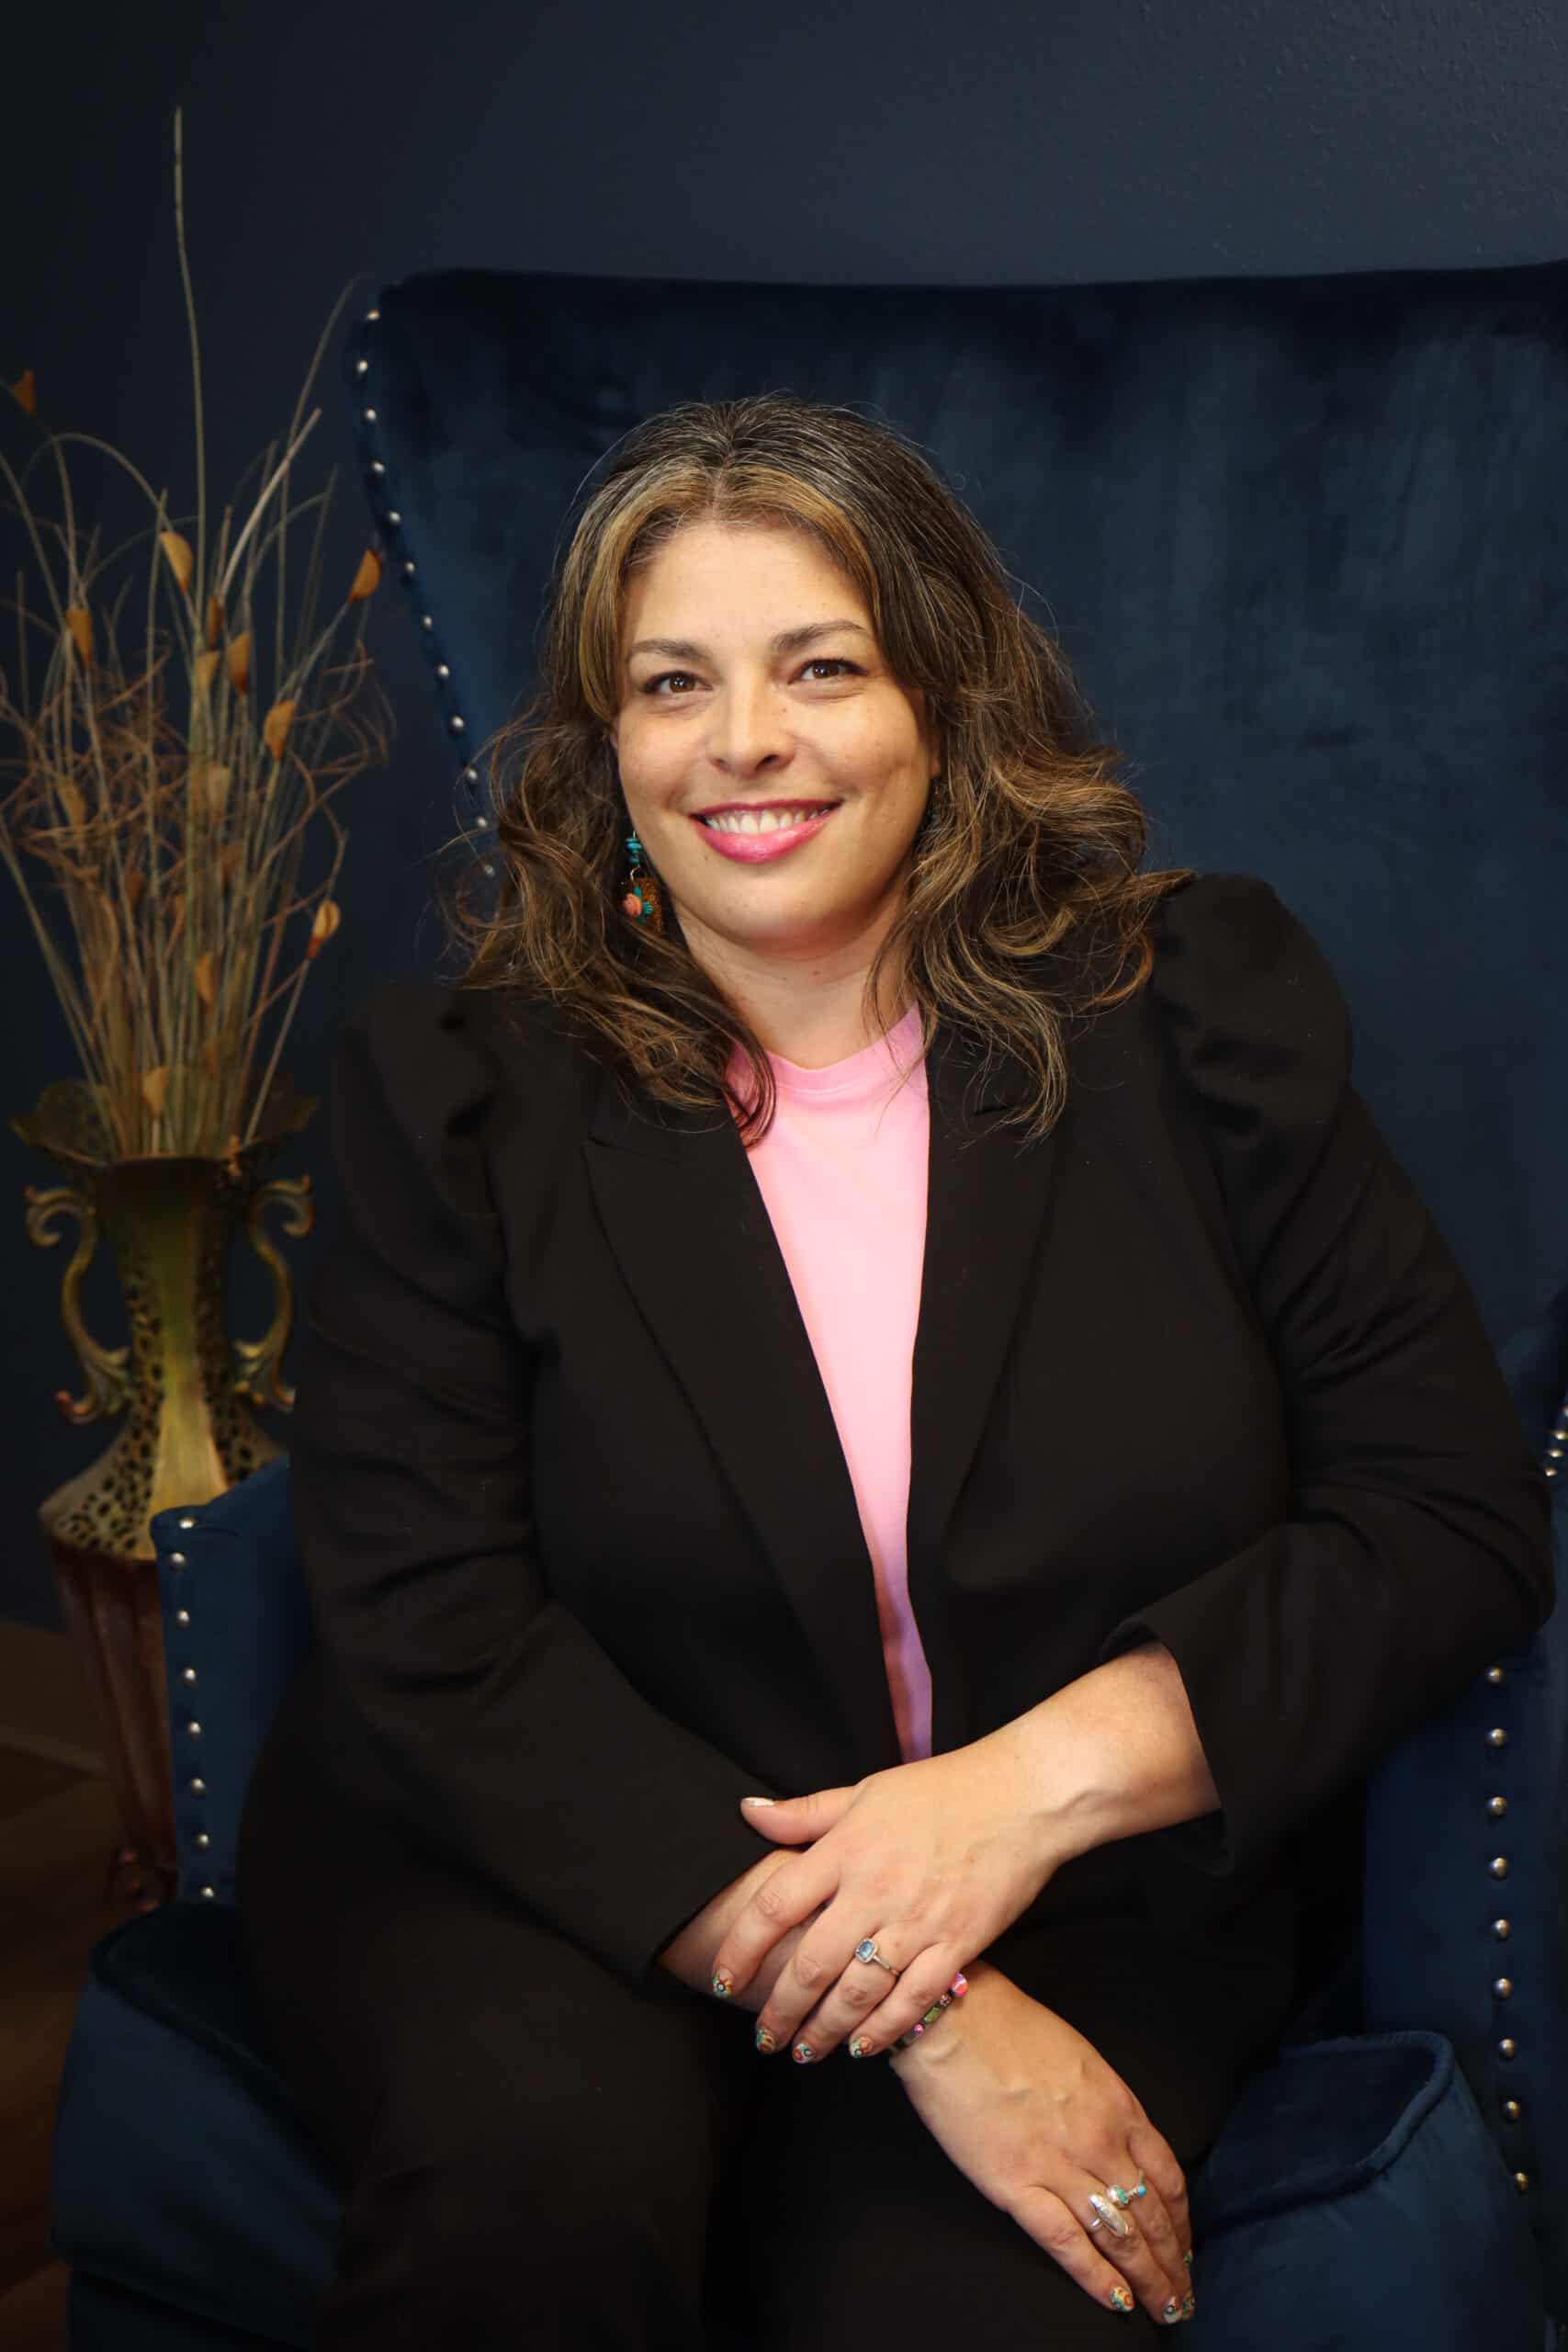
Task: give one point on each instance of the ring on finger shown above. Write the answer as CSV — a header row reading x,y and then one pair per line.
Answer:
x,y
1108,2207
865,1950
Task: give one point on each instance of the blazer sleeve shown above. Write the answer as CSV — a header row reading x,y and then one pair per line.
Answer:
x,y
1419,1548
512,1743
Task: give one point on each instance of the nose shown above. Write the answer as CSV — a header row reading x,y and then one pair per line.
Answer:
x,y
748,726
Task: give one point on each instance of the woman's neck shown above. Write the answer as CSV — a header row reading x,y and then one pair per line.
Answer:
x,y
817,1030
804,1013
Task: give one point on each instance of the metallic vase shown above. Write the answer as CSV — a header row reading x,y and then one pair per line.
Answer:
x,y
185,1390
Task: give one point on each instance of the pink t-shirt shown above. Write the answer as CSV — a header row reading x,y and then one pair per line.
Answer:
x,y
843,1171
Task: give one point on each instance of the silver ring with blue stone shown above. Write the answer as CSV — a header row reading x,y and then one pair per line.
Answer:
x,y
867,1950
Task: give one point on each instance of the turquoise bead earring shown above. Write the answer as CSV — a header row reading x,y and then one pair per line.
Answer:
x,y
641,902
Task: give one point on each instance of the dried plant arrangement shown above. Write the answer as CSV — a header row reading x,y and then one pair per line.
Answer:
x,y
169,773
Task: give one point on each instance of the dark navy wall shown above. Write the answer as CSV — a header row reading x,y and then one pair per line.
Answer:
x,y
977,142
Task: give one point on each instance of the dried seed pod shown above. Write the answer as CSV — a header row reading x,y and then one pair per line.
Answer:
x,y
276,725
211,783
329,914
367,579
181,560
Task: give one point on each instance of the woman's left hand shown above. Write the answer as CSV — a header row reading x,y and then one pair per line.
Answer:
x,y
933,1859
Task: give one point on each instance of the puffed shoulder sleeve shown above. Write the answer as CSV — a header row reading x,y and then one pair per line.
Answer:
x,y
1418,1548
512,1743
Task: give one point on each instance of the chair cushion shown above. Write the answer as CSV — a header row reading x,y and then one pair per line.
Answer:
x,y
1357,2199
103,2318
1354,2199
180,2170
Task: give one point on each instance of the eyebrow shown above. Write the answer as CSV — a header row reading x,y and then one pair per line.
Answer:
x,y
788,641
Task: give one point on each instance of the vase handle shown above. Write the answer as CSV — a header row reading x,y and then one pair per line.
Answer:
x,y
110,1381
259,1378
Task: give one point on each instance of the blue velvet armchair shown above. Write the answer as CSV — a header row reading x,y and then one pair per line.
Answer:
x,y
1301,540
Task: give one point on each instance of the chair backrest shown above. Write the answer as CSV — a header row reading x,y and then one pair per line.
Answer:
x,y
1301,538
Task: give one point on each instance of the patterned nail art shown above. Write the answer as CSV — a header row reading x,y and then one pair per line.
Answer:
x,y
860,2047
1172,2313
1121,2296
723,1983
803,2054
764,2040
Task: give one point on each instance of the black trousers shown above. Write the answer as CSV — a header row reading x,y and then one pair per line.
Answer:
x,y
531,2153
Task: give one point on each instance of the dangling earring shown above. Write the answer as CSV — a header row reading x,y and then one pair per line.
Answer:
x,y
642,900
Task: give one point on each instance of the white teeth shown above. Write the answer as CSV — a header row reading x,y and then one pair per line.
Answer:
x,y
759,820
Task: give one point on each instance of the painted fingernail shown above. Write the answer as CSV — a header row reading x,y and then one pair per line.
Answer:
x,y
723,1981
1121,2298
1172,2313
1189,2305
860,2047
803,2054
764,2040
1187,2258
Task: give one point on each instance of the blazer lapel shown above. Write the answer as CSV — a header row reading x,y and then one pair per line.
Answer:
x,y
986,1196
686,1220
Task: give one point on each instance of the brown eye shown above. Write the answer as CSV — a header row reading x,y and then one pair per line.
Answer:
x,y
821,661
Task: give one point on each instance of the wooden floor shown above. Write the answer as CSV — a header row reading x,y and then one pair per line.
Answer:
x,y
59,1891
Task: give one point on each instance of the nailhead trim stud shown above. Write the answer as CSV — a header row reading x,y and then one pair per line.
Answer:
x,y
390,523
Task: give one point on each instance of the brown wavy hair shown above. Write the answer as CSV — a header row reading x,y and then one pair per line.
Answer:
x,y
1028,837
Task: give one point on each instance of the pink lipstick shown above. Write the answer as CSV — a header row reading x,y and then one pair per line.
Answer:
x,y
751,849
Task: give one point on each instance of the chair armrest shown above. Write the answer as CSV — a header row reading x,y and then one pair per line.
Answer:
x,y
237,1627
1464,1931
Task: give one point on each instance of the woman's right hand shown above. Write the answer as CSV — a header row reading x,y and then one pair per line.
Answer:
x,y
690,1955
1031,2112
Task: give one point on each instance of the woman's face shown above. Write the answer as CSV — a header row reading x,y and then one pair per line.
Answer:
x,y
722,720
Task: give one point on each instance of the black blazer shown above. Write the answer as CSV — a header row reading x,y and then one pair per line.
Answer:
x,y
584,1555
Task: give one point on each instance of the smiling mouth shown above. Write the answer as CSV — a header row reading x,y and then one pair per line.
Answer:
x,y
766,820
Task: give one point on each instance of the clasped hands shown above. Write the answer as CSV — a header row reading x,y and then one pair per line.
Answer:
x,y
932,1859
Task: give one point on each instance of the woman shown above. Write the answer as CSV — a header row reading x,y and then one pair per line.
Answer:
x,y
857,1297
